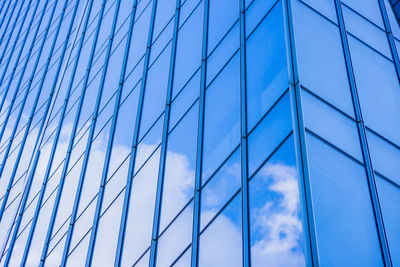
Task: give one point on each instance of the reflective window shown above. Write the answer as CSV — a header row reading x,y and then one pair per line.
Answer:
x,y
271,131
342,209
221,119
276,233
221,241
320,58
389,197
378,106
266,65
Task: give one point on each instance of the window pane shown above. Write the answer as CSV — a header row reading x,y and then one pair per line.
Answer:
x,y
218,23
276,233
389,197
179,167
342,209
270,133
266,65
188,56
331,125
372,71
385,157
221,119
220,188
221,242
320,58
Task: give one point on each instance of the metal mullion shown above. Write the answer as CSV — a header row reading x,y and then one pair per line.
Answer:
x,y
20,115
12,49
74,128
390,38
128,186
311,249
246,255
163,155
10,107
26,189
56,138
363,139
200,139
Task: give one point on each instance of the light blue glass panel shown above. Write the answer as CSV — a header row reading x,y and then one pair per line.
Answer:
x,y
221,119
188,56
325,7
184,99
225,50
141,211
344,220
389,198
221,242
320,57
331,125
267,76
156,91
276,233
378,90
270,133
367,8
385,157
179,167
175,238
366,31
220,188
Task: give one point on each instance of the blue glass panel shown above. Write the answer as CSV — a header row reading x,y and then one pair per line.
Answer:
x,y
275,217
221,242
257,11
389,197
219,57
188,56
220,188
320,57
367,8
266,66
366,31
222,114
270,133
219,24
372,71
175,238
325,7
156,91
385,157
331,125
179,167
184,99
141,211
342,209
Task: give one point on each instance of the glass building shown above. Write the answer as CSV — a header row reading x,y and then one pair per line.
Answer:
x,y
199,133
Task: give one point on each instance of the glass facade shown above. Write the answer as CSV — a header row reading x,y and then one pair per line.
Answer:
x,y
199,133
